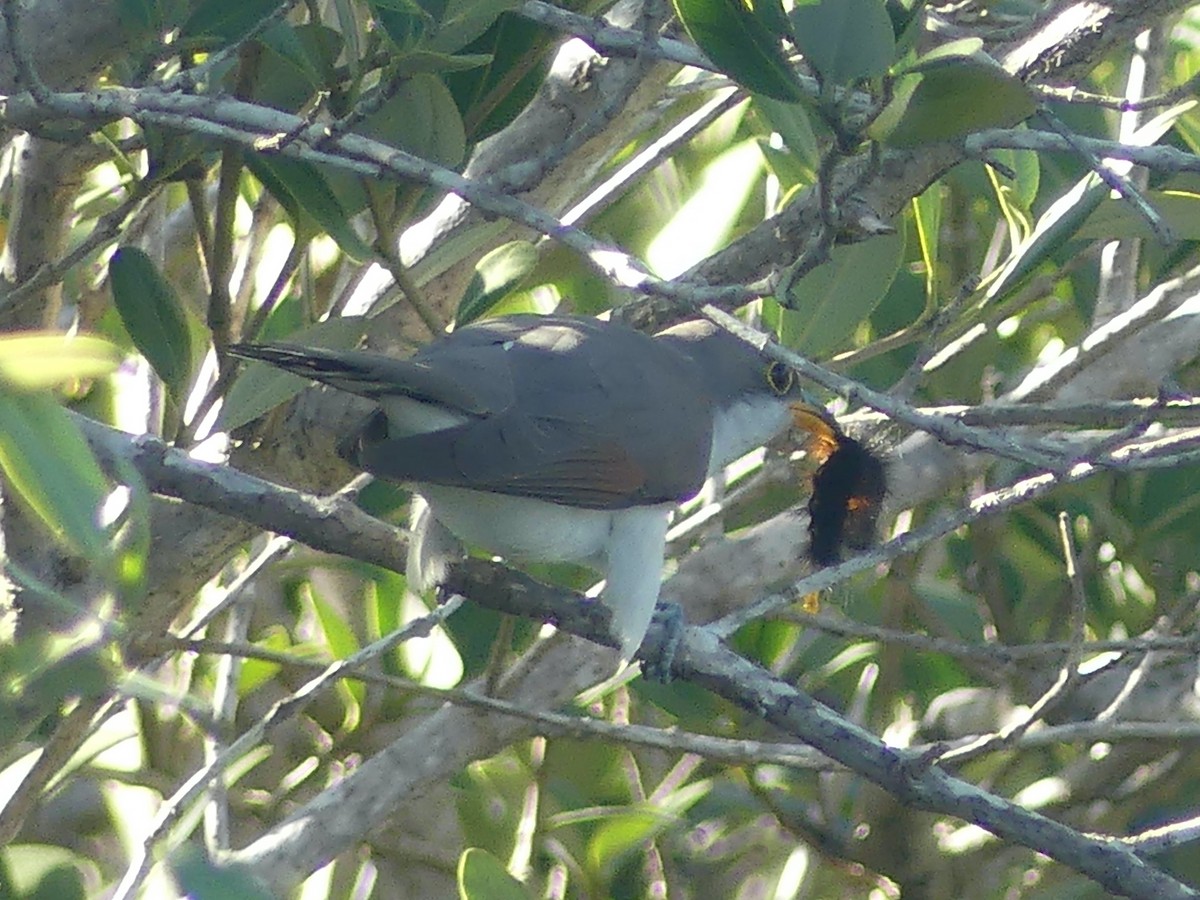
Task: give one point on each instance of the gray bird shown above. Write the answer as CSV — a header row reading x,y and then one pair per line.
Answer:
x,y
556,438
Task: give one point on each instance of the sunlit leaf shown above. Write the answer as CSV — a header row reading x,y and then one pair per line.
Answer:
x,y
35,360
483,877
500,271
47,461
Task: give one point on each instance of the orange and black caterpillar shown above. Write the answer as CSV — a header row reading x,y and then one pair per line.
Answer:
x,y
848,489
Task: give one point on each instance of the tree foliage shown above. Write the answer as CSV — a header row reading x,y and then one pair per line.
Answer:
x,y
972,227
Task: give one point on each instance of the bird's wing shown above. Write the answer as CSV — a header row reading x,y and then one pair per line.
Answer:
x,y
606,424
565,409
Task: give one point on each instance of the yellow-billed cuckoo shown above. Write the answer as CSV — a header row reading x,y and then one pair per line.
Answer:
x,y
556,438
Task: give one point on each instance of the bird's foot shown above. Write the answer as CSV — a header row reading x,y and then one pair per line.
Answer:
x,y
657,652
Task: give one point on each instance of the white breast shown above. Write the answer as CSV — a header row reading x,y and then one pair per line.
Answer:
x,y
521,528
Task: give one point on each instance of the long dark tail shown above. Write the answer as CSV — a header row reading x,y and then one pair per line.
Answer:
x,y
355,371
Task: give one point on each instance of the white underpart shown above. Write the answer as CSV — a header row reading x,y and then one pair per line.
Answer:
x,y
625,545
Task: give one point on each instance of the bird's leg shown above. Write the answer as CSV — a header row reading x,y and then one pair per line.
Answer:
x,y
432,548
658,651
634,572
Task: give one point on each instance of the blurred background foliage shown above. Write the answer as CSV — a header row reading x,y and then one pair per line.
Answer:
x,y
163,239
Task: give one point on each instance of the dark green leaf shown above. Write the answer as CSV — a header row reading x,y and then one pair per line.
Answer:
x,y
741,46
483,877
423,61
491,96
464,20
47,460
773,17
301,188
222,22
826,306
309,52
138,15
499,272
154,317
201,879
404,21
845,40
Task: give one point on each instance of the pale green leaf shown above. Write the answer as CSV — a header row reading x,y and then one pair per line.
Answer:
x,y
483,877
499,272
47,461
33,360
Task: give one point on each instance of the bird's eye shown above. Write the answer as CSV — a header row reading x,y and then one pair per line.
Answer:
x,y
780,377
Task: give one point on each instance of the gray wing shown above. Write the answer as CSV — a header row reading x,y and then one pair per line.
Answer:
x,y
561,408
600,424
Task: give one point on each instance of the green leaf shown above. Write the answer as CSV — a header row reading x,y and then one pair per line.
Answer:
x,y
423,61
845,40
309,52
496,274
792,122
301,188
1057,225
1116,218
741,46
623,833
35,360
464,20
138,15
201,879
773,16
711,213
261,387
154,317
46,459
1023,189
483,877
28,868
492,96
421,119
824,308
927,215
340,643
950,97
224,21
404,21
